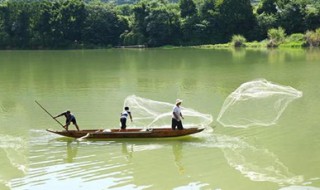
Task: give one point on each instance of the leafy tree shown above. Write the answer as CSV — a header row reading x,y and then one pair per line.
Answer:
x,y
124,10
140,11
43,25
292,16
102,26
265,22
235,16
16,21
267,7
191,27
162,27
60,23
312,16
73,15
21,28
70,23
192,31
3,34
188,8
210,23
155,23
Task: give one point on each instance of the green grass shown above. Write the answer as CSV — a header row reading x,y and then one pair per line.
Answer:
x,y
252,45
290,42
169,47
292,45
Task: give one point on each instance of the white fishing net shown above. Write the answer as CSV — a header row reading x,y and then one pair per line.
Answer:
x,y
257,102
148,113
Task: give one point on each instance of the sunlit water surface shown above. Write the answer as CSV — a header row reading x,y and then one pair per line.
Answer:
x,y
93,84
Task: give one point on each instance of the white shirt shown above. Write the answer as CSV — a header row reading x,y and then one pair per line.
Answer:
x,y
177,111
125,114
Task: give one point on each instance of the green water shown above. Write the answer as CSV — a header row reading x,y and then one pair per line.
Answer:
x,y
94,83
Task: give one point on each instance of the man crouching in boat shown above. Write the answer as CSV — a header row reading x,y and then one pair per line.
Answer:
x,y
69,118
176,116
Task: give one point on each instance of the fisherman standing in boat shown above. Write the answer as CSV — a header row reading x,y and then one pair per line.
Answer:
x,y
176,116
123,117
69,118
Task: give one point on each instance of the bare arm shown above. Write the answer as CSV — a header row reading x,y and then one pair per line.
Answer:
x,y
59,115
181,115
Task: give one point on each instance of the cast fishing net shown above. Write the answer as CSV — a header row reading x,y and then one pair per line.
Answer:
x,y
150,114
257,102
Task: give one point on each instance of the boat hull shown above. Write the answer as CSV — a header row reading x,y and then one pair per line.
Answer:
x,y
128,133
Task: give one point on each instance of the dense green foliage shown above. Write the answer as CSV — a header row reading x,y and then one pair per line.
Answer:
x,y
47,24
238,41
313,38
276,36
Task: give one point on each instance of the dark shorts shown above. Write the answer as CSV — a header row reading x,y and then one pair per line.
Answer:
x,y
123,121
73,120
176,123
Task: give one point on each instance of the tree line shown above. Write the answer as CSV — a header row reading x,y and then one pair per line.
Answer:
x,y
52,24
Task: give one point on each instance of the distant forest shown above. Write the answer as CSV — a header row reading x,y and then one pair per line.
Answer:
x,y
121,2
59,24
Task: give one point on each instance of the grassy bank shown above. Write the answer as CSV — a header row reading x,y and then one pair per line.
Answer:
x,y
252,45
277,38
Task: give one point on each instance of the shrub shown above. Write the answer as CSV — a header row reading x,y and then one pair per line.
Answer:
x,y
238,41
276,37
313,38
297,37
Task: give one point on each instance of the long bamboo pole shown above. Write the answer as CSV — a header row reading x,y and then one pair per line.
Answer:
x,y
49,113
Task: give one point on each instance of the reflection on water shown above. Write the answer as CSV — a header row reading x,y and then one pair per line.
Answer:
x,y
177,151
127,151
64,162
57,164
258,164
72,150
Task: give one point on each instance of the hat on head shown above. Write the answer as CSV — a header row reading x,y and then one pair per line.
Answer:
x,y
178,101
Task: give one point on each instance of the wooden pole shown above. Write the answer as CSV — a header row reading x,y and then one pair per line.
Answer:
x,y
49,113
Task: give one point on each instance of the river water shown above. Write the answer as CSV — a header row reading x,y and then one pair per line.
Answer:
x,y
93,84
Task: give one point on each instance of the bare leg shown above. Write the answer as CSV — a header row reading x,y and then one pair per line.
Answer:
x,y
77,126
66,127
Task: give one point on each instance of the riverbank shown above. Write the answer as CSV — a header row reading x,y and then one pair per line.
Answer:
x,y
254,45
247,45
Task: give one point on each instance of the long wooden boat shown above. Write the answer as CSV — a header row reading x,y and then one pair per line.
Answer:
x,y
127,133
